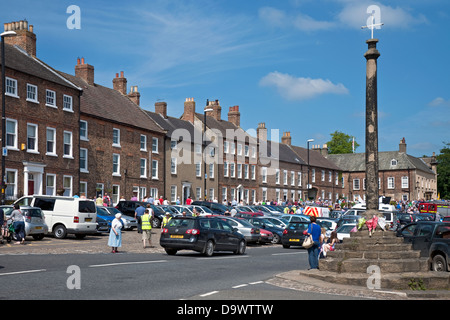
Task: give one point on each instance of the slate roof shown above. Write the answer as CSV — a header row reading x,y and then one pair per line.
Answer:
x,y
170,124
356,162
17,59
111,105
316,159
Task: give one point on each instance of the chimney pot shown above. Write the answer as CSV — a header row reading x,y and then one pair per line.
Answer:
x,y
84,71
120,84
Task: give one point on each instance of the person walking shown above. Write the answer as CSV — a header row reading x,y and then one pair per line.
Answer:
x,y
315,231
115,234
18,223
146,228
138,213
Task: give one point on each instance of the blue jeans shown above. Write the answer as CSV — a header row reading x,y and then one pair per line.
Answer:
x,y
313,255
19,229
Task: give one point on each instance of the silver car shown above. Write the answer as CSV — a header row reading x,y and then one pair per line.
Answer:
x,y
251,233
35,225
129,222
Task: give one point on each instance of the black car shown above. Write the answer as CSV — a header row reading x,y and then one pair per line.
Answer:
x,y
215,207
432,238
103,225
128,207
269,226
293,234
201,234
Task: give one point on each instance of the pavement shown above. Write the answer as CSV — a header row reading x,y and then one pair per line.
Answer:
x,y
295,279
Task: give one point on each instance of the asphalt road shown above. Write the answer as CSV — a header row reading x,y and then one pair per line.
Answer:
x,y
151,276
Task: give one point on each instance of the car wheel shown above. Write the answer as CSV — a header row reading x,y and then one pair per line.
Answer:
x,y
276,239
439,263
156,223
60,232
286,246
209,248
241,247
171,252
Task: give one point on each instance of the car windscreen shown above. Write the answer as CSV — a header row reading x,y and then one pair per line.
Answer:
x,y
181,223
87,206
34,213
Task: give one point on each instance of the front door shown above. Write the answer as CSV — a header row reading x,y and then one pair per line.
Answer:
x,y
30,184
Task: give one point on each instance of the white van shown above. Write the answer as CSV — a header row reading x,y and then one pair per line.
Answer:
x,y
65,215
381,207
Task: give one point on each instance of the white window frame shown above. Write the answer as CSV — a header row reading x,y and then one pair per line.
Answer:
x,y
405,182
84,130
34,138
84,167
391,183
173,165
32,93
67,103
155,169
53,151
116,137
11,88
9,183
116,164
143,142
356,184
14,134
68,190
155,145
50,98
143,168
50,190
70,154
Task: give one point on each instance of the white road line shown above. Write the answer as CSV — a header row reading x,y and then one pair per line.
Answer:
x,y
256,282
22,272
282,254
208,294
222,258
240,286
124,263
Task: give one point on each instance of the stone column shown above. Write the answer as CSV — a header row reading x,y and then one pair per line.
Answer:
x,y
372,195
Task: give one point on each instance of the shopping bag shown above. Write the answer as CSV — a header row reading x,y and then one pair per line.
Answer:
x,y
308,242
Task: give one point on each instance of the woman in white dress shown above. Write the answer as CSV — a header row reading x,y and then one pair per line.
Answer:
x,y
115,234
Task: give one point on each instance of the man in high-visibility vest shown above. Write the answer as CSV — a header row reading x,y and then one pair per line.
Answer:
x,y
146,228
165,220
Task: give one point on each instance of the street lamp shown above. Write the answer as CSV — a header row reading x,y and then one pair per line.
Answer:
x,y
308,186
204,146
3,184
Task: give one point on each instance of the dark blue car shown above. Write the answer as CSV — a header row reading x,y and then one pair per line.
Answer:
x,y
266,224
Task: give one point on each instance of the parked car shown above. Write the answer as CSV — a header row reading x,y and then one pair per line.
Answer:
x,y
202,210
265,224
251,233
268,210
128,207
354,212
432,238
344,231
65,215
446,219
109,213
202,234
249,214
103,225
296,218
403,219
293,234
328,223
35,225
265,236
279,222
180,208
215,207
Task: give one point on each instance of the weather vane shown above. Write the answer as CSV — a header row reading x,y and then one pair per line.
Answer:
x,y
374,17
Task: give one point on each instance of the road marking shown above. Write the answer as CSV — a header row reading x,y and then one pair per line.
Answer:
x,y
124,263
240,286
22,272
256,282
221,258
209,293
282,254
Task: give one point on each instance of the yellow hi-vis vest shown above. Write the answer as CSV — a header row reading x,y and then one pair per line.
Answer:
x,y
145,221
165,221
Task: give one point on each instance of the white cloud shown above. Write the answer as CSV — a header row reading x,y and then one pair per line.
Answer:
x,y
292,88
278,18
354,14
439,101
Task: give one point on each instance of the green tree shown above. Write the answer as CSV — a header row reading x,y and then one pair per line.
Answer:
x,y
443,171
340,143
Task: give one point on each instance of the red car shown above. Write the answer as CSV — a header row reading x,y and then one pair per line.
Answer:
x,y
266,236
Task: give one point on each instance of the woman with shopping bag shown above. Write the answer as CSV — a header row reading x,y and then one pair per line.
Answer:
x,y
314,231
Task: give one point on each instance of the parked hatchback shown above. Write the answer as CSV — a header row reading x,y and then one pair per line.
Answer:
x,y
202,234
35,225
293,234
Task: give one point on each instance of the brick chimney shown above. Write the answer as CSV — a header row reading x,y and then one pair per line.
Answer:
x,y
234,116
217,110
402,146
25,38
286,138
134,95
84,71
120,83
261,132
161,108
189,110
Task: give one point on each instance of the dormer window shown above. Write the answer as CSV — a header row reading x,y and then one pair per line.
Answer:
x,y
393,162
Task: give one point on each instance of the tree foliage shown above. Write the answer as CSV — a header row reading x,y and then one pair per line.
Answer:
x,y
340,143
443,171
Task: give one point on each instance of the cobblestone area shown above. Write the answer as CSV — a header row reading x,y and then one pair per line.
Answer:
x,y
131,243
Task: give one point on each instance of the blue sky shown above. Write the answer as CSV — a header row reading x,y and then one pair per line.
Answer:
x,y
296,65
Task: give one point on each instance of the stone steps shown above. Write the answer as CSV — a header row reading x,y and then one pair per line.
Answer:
x,y
360,265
